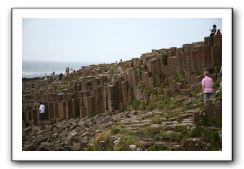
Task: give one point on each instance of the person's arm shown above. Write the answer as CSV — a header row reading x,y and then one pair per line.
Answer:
x,y
202,85
212,85
202,88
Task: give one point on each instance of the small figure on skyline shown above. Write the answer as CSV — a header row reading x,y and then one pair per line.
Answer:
x,y
218,33
213,31
60,76
67,70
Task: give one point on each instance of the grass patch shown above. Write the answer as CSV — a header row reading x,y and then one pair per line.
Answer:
x,y
179,77
156,119
102,142
170,136
151,131
151,106
207,136
137,105
124,143
180,128
115,129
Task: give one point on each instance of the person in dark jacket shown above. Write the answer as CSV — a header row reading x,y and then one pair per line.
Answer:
x,y
213,30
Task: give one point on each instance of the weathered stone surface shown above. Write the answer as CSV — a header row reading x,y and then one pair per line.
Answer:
x,y
76,146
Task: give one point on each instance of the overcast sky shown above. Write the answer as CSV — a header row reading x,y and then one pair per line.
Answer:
x,y
107,40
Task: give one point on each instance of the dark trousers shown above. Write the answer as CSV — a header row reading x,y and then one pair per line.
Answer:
x,y
42,116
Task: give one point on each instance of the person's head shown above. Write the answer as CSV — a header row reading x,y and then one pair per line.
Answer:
x,y
205,73
218,30
214,26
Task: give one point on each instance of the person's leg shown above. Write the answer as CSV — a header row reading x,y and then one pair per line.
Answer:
x,y
41,118
210,96
205,99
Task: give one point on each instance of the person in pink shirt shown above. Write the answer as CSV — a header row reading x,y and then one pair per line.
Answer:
x,y
207,87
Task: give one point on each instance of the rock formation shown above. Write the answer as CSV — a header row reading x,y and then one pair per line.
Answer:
x,y
134,96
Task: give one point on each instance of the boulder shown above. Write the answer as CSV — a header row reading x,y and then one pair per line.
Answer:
x,y
76,146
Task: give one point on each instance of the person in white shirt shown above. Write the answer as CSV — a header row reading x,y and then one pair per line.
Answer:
x,y
42,112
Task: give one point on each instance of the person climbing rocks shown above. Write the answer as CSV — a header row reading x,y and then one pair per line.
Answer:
x,y
60,76
207,87
42,112
213,31
218,33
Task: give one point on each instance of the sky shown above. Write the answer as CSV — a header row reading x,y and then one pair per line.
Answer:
x,y
107,40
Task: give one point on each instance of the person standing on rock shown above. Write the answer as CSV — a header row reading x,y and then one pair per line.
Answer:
x,y
207,87
42,112
213,31
218,33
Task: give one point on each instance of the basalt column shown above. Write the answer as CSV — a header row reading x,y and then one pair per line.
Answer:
x,y
110,98
69,106
51,106
194,61
61,106
90,104
76,107
124,86
217,45
85,103
179,59
35,115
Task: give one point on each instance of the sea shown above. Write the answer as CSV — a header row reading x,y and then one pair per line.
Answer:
x,y
31,69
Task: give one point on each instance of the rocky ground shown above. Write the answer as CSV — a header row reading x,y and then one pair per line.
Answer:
x,y
173,127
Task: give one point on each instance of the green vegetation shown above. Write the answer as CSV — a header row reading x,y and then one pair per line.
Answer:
x,y
179,78
151,132
137,105
115,129
156,119
124,142
151,106
180,128
170,136
102,141
208,136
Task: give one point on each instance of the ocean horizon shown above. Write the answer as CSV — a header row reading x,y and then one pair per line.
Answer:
x,y
31,69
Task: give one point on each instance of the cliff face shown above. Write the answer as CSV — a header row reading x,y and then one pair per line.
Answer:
x,y
145,83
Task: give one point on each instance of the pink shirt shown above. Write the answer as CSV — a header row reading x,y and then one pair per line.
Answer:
x,y
207,83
